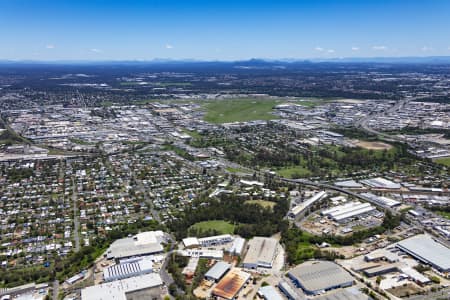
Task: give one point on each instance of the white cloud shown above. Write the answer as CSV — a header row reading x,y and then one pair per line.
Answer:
x,y
379,48
320,49
50,46
96,50
330,51
355,48
168,46
426,49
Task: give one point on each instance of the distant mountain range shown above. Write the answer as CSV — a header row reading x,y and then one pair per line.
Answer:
x,y
251,63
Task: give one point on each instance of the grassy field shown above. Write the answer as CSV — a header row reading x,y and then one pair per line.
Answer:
x,y
239,110
290,171
263,203
221,226
236,170
444,161
444,214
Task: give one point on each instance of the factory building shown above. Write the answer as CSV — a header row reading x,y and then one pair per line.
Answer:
x,y
425,249
139,287
381,183
382,201
217,271
145,243
290,292
261,253
231,284
237,247
300,209
268,292
215,240
126,270
193,242
316,277
349,210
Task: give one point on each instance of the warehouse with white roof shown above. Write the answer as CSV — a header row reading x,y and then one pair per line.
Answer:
x,y
126,270
381,183
381,200
146,286
298,210
349,210
427,250
145,243
261,253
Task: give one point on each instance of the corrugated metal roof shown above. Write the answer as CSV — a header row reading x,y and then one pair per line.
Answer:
x,y
218,270
320,275
231,284
270,293
426,249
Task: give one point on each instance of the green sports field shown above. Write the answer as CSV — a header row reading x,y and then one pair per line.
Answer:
x,y
239,110
221,226
444,161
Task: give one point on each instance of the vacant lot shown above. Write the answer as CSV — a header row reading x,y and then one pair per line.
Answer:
x,y
223,227
263,203
405,290
372,145
239,110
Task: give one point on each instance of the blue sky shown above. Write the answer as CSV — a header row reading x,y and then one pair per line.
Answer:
x,y
222,30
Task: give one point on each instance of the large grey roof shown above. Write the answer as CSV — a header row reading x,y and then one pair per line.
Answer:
x,y
261,250
320,275
345,294
218,270
117,290
424,248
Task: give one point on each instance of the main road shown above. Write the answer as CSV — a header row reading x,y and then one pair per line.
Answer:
x,y
363,122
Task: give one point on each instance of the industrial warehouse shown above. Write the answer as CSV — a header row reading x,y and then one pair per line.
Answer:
x,y
300,209
230,285
145,243
128,269
261,253
140,287
352,209
217,271
425,249
382,201
316,277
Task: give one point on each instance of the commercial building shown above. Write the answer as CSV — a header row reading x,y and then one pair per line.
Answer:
x,y
300,209
290,292
268,292
345,294
231,284
382,201
424,248
261,253
140,287
212,254
237,247
381,183
217,271
316,277
145,243
351,184
191,242
349,210
126,270
215,240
